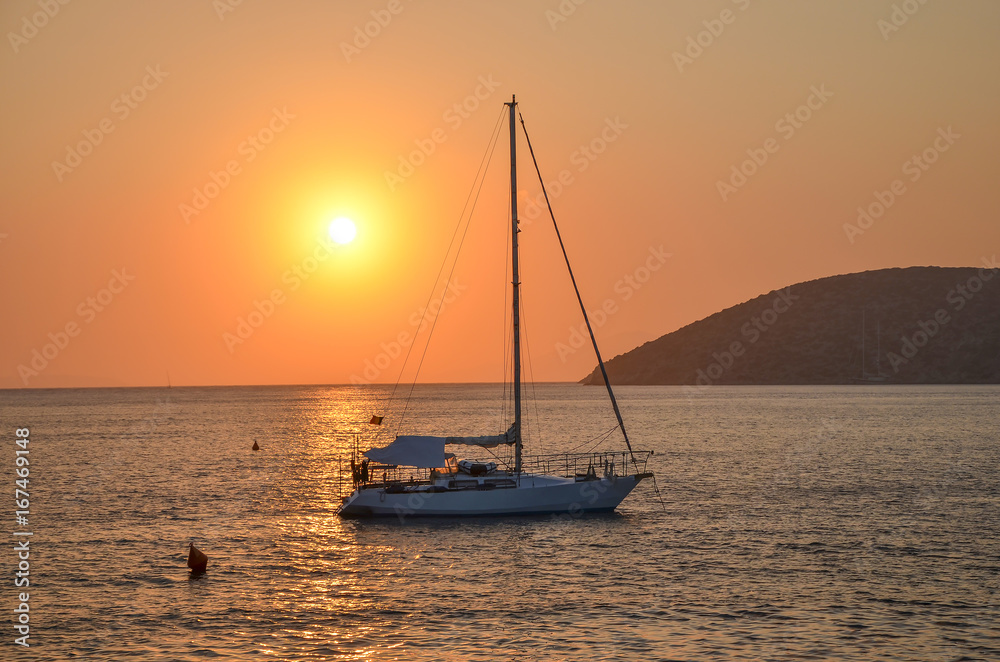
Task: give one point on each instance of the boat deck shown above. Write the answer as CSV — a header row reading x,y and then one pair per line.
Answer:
x,y
592,482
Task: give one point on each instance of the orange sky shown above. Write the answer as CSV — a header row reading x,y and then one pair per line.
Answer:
x,y
109,280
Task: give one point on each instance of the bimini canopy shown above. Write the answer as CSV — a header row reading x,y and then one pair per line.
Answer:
x,y
411,451
428,452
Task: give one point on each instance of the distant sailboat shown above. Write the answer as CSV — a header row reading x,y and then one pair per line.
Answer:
x,y
452,487
878,376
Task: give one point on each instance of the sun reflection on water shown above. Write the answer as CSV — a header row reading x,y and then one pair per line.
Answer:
x,y
759,545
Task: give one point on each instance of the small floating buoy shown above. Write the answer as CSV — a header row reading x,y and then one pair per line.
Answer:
x,y
255,446
197,560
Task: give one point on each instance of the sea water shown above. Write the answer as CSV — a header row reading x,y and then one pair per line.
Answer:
x,y
828,523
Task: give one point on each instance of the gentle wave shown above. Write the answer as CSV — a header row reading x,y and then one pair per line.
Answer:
x,y
797,523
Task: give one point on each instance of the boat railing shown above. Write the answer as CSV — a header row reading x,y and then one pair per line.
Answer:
x,y
378,474
580,464
569,465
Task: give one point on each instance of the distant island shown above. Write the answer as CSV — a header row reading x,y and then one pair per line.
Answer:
x,y
922,325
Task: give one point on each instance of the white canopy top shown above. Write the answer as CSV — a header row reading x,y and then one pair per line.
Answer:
x,y
411,451
427,452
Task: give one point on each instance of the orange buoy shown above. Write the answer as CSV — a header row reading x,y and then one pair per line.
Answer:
x,y
255,446
197,560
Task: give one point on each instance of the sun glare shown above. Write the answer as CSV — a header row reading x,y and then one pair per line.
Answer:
x,y
342,230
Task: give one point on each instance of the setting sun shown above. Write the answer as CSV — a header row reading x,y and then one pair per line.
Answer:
x,y
342,230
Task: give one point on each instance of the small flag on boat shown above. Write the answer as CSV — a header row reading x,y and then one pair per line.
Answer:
x,y
376,420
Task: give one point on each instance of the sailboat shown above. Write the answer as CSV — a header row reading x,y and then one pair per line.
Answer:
x,y
878,377
569,483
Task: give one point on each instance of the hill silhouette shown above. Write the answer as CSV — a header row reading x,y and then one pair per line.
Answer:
x,y
934,325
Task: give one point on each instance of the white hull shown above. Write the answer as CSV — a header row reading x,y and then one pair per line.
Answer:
x,y
534,495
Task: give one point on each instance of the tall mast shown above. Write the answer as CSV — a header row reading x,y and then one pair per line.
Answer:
x,y
516,284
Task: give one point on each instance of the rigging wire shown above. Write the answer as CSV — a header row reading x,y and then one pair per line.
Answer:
x,y
480,172
537,430
529,376
599,437
523,318
508,348
593,449
488,159
656,488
